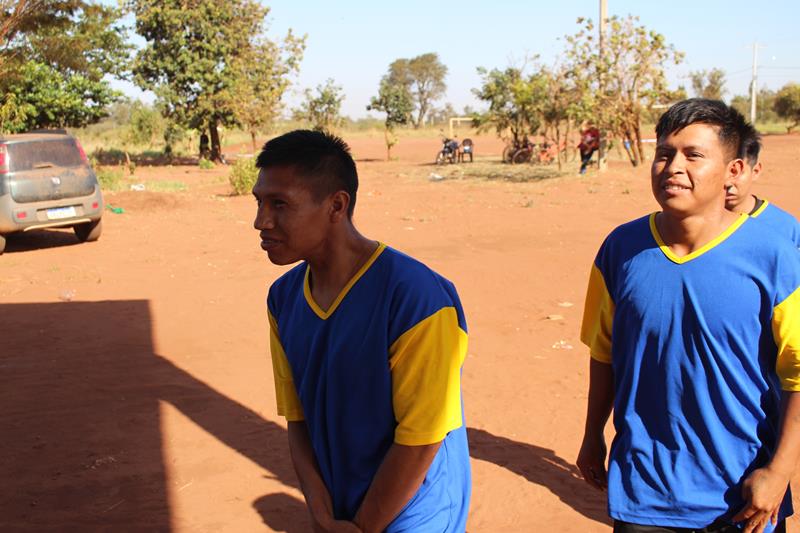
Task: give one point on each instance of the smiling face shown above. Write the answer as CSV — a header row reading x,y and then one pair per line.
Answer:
x,y
293,224
690,170
738,192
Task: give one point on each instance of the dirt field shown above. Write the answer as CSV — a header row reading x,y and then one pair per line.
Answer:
x,y
136,384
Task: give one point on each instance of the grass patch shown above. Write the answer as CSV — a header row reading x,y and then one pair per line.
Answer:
x,y
110,179
165,186
495,170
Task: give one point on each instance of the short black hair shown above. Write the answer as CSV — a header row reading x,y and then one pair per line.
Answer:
x,y
732,126
750,146
320,157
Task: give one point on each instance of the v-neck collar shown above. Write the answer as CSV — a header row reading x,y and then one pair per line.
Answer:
x,y
761,208
310,299
700,251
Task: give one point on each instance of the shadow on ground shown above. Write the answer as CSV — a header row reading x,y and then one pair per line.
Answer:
x,y
39,240
80,386
542,467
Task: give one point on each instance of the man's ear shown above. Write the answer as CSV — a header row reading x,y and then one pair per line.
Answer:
x,y
757,170
340,203
734,172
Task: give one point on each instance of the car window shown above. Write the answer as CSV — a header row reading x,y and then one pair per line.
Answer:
x,y
43,153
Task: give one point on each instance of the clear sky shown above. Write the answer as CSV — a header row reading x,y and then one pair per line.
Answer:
x,y
354,42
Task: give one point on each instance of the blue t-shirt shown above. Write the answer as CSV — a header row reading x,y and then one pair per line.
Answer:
x,y
701,346
779,220
382,365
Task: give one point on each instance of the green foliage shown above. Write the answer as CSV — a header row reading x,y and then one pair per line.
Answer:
x,y
50,98
205,164
173,134
423,79
54,57
110,180
765,106
212,65
787,104
515,101
146,125
262,76
708,83
322,110
12,115
243,176
620,83
394,100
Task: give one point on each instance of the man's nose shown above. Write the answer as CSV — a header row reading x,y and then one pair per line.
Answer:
x,y
675,164
264,218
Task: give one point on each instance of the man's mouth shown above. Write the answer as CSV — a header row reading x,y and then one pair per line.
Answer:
x,y
675,187
268,244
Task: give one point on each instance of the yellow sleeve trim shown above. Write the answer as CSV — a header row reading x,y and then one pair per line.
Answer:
x,y
285,391
425,363
786,332
598,317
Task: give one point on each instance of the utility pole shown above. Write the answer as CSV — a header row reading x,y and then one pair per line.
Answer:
x,y
601,152
754,85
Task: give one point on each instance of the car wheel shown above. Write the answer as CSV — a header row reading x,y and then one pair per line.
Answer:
x,y
88,232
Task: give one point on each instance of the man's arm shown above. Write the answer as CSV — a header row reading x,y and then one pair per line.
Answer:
x,y
399,477
318,499
592,456
763,490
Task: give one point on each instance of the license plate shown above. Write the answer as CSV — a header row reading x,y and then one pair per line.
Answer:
x,y
61,212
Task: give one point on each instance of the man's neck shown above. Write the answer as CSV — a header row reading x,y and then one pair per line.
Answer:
x,y
336,263
686,234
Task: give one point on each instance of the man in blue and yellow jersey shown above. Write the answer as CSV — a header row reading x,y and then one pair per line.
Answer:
x,y
692,320
739,199
367,346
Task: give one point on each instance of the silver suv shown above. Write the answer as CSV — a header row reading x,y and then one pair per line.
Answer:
x,y
46,182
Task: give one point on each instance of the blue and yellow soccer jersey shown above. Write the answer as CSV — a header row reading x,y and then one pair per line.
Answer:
x,y
781,222
382,365
701,347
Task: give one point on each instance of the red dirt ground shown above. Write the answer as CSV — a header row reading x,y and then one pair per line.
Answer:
x,y
136,383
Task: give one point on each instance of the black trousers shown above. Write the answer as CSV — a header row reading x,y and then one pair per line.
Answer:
x,y
625,527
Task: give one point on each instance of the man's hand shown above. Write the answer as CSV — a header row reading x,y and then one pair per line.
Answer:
x,y
592,461
335,526
763,492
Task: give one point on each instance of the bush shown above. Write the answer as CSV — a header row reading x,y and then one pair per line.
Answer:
x,y
205,164
243,175
110,180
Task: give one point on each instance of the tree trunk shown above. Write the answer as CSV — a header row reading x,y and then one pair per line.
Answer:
x,y
558,147
639,147
253,140
420,117
216,150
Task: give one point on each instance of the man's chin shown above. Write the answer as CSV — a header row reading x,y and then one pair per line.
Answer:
x,y
280,259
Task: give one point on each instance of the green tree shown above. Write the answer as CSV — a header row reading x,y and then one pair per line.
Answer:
x,y
262,74
787,104
394,100
146,125
55,56
323,109
627,79
194,60
423,78
708,83
765,105
515,101
49,98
